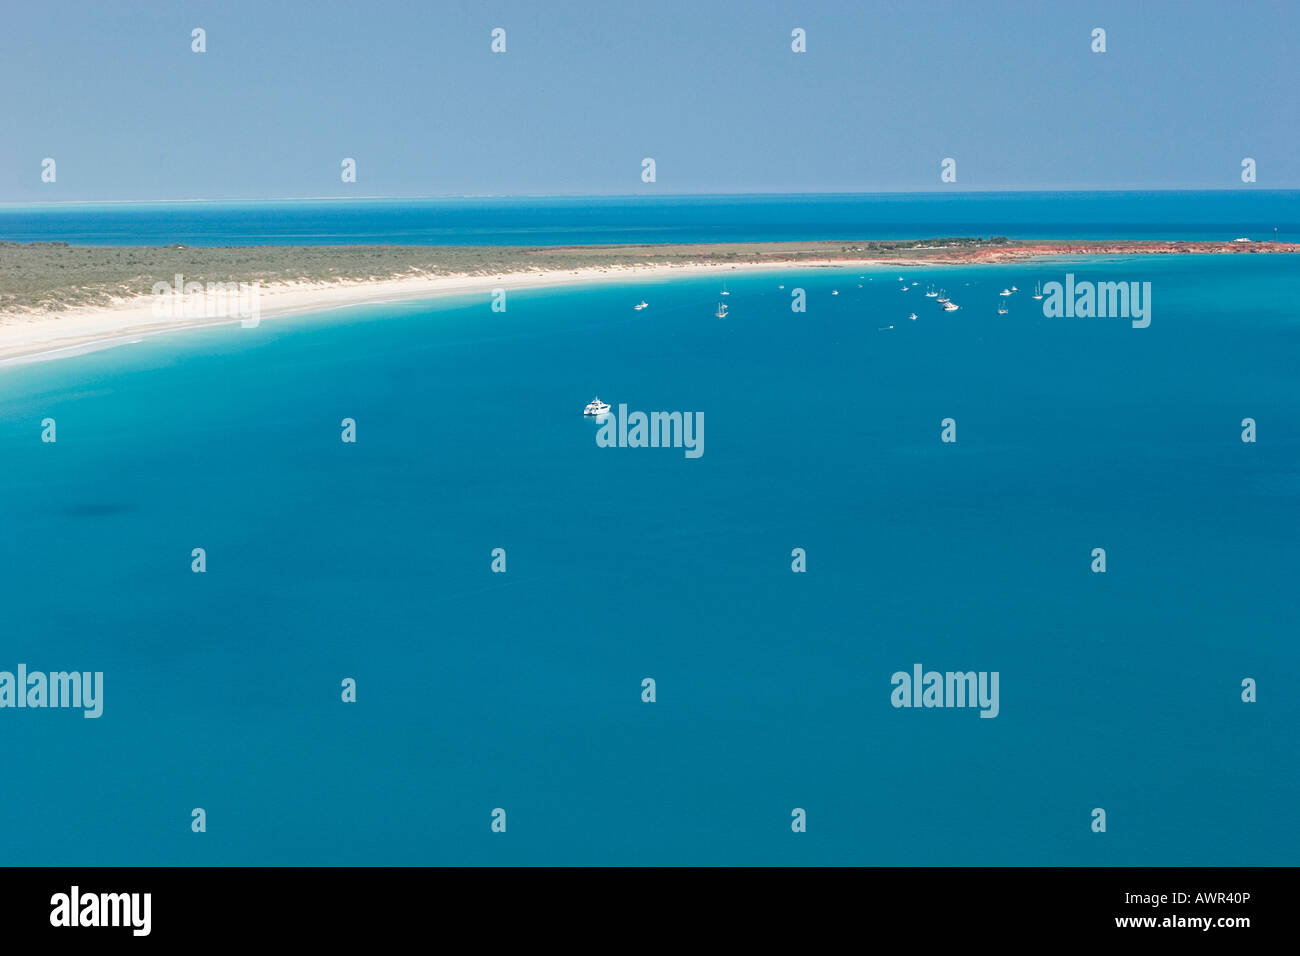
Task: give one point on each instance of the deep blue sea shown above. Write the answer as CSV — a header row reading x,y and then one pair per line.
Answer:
x,y
671,219
522,690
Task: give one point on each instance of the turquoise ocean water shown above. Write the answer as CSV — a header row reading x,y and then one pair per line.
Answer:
x,y
1225,214
523,690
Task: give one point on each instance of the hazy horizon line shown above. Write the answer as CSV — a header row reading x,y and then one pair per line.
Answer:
x,y
651,195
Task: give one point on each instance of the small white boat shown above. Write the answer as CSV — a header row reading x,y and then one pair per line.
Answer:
x,y
916,283
943,299
596,407
1005,292
835,292
1002,308
643,304
912,317
950,307
724,289
930,293
1014,289
1038,291
722,310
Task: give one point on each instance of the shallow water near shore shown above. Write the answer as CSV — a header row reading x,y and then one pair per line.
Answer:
x,y
522,690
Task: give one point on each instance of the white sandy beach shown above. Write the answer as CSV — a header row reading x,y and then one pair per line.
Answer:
x,y
40,336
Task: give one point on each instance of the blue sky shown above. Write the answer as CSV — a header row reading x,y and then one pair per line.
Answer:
x,y
710,89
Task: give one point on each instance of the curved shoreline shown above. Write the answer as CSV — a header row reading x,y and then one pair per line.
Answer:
x,y
42,335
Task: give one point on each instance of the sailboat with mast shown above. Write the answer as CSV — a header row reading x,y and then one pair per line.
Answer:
x,y
722,309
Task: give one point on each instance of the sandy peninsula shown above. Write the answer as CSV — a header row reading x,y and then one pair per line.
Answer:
x,y
58,300
41,334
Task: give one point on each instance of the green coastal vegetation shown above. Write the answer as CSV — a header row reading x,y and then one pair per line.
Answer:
x,y
54,276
